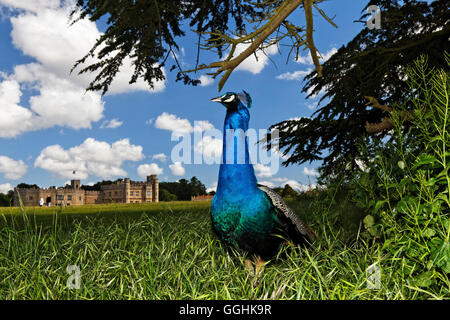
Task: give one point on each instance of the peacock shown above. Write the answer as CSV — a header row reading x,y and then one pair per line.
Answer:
x,y
245,215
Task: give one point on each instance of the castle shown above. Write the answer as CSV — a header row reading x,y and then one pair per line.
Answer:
x,y
125,191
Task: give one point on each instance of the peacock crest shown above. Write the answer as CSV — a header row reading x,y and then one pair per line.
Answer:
x,y
245,98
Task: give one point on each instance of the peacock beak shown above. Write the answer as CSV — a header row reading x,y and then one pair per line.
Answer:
x,y
218,99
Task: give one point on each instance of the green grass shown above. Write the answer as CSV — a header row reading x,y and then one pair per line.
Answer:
x,y
168,251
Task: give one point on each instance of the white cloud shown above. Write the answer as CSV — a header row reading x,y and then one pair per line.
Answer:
x,y
177,169
111,124
300,74
14,119
5,187
262,171
212,188
11,168
310,172
145,170
41,30
202,125
308,60
61,102
296,75
160,156
92,157
171,122
280,179
209,146
34,6
266,183
255,63
48,36
205,80
298,186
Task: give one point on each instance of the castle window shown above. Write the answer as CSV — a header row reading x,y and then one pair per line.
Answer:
x,y
80,198
115,193
59,197
137,193
69,197
30,198
131,193
109,193
149,193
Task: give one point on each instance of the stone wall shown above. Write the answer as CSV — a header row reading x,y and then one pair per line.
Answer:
x,y
92,197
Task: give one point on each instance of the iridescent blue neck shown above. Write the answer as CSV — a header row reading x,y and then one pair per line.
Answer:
x,y
236,174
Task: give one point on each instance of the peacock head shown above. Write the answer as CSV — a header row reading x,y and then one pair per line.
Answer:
x,y
233,100
237,105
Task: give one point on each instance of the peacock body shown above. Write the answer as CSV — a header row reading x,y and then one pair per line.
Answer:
x,y
246,215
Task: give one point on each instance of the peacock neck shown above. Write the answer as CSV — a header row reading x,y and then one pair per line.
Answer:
x,y
236,174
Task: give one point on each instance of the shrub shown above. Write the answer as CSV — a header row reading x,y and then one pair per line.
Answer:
x,y
406,185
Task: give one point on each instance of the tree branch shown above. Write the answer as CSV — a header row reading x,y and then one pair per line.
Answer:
x,y
275,19
386,123
309,36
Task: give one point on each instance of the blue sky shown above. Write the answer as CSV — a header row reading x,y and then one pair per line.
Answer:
x,y
50,127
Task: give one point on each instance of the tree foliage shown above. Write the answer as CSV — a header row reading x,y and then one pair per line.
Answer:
x,y
27,186
97,186
147,31
183,189
6,200
165,195
289,192
369,65
405,188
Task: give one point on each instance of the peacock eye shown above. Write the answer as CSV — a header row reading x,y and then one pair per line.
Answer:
x,y
229,98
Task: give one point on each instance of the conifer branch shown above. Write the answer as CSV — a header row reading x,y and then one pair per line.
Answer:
x,y
258,39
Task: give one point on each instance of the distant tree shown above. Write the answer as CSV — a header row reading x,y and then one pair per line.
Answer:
x,y
288,192
97,186
165,195
278,190
184,189
197,187
27,186
212,193
6,200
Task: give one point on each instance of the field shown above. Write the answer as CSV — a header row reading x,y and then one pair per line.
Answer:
x,y
167,250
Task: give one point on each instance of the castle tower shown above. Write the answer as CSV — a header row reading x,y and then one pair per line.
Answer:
x,y
127,190
75,184
153,180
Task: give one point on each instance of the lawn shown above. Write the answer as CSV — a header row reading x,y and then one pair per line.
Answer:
x,y
167,250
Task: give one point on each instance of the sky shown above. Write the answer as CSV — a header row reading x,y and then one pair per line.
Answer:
x,y
52,130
